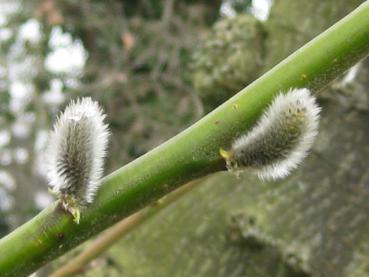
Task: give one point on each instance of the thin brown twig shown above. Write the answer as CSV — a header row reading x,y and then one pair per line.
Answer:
x,y
79,263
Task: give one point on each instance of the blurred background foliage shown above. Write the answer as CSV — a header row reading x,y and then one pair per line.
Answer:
x,y
157,67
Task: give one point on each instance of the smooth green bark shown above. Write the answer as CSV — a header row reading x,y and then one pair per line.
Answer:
x,y
189,155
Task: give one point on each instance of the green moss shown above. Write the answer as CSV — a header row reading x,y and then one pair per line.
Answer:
x,y
229,59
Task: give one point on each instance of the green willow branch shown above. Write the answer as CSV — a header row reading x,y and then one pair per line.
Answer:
x,y
79,263
189,155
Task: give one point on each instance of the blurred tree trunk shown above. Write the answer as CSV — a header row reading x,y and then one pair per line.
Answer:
x,y
291,24
314,223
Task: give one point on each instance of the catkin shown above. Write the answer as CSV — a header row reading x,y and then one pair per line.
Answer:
x,y
280,140
76,152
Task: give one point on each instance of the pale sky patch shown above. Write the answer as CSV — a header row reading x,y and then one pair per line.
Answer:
x,y
67,55
6,180
30,31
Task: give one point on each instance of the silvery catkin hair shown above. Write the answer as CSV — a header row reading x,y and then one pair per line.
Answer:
x,y
281,138
76,152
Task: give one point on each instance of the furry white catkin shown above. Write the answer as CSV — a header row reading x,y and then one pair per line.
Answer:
x,y
280,140
75,154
